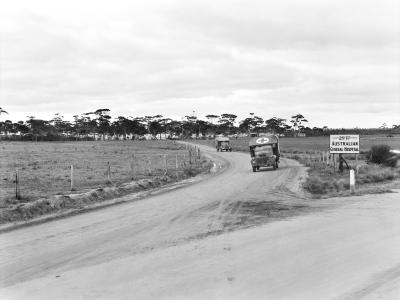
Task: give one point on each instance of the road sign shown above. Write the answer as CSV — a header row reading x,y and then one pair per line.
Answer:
x,y
345,144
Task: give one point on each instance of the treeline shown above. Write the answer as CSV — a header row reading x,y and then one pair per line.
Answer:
x,y
99,124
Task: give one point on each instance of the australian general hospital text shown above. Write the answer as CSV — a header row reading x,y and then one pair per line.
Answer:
x,y
344,146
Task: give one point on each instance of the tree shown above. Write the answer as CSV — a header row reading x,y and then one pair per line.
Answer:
x,y
102,121
298,121
21,127
38,127
226,122
252,123
383,126
175,127
61,126
2,111
276,124
84,125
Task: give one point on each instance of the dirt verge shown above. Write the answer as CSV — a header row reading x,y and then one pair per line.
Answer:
x,y
71,203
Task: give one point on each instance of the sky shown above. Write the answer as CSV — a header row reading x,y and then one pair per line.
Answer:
x,y
337,62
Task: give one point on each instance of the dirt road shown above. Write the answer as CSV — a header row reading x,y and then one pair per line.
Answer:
x,y
201,242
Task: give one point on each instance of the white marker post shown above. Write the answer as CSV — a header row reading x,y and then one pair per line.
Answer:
x,y
352,181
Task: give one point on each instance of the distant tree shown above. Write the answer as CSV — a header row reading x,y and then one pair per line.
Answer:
x,y
61,126
226,122
276,124
84,125
297,121
252,123
2,111
102,118
21,127
175,127
39,127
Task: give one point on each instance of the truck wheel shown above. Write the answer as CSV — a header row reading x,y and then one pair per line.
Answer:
x,y
230,150
254,169
258,168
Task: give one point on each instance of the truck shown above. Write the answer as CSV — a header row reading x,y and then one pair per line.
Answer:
x,y
264,152
222,143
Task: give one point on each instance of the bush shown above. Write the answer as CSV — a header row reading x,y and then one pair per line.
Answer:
x,y
317,186
380,154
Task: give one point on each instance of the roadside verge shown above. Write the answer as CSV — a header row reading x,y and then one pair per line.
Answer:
x,y
61,206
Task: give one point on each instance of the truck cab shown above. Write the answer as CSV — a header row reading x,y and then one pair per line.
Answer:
x,y
264,152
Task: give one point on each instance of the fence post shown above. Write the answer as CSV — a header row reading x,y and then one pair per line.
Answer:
x,y
72,177
334,162
357,164
165,164
132,165
109,172
176,165
17,190
149,166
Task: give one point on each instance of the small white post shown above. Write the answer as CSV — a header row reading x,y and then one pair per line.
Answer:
x,y
352,181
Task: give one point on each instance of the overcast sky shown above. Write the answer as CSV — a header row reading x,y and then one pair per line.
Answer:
x,y
337,62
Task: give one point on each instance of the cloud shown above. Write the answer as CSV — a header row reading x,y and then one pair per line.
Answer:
x,y
172,57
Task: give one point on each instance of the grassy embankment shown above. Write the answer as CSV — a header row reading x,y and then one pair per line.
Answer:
x,y
323,180
102,170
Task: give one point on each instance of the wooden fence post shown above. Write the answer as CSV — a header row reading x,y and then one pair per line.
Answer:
x,y
109,172
17,190
132,165
334,162
72,177
357,164
165,164
176,165
149,166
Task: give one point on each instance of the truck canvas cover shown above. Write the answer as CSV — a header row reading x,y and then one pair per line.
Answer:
x,y
264,140
222,139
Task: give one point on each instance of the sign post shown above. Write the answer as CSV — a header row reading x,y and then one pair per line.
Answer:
x,y
346,144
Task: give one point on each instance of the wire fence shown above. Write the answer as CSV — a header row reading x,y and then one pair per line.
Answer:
x,y
24,180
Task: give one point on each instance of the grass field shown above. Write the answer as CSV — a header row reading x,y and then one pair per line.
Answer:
x,y
312,144
45,168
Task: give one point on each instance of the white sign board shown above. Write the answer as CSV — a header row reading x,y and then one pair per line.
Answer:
x,y
346,144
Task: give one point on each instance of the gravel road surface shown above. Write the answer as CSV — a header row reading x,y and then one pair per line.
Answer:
x,y
235,235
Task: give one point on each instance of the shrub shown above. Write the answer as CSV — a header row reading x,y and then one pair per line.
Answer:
x,y
317,186
380,154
